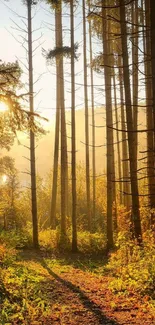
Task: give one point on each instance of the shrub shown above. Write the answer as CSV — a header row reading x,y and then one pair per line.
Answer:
x,y
49,239
7,255
134,266
16,239
91,243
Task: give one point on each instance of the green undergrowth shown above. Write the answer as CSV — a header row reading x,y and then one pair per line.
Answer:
x,y
22,298
133,267
94,243
51,241
24,272
17,239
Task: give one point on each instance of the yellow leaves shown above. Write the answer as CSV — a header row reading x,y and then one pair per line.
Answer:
x,y
34,267
7,255
36,322
2,252
146,298
113,305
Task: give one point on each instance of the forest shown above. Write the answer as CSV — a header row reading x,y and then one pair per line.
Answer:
x,y
77,163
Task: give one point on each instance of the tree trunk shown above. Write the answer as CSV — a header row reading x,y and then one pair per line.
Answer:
x,y
93,125
118,142
109,131
86,118
152,25
125,156
57,127
131,137
149,111
111,63
5,220
32,136
63,129
135,31
74,198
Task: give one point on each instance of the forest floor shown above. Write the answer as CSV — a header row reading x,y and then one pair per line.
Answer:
x,y
73,291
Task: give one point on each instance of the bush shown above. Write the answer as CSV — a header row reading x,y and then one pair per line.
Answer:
x,y
91,243
133,266
16,239
7,255
51,240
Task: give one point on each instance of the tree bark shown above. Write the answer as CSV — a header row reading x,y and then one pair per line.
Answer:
x,y
32,136
131,137
149,110
109,131
73,126
135,30
93,125
63,130
152,25
125,156
86,118
57,127
118,142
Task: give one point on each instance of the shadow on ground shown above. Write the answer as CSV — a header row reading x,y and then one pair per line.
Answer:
x,y
77,307
87,303
84,262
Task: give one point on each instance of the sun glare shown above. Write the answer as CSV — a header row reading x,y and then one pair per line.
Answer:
x,y
3,107
4,178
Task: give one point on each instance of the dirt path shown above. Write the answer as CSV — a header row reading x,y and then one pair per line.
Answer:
x,y
80,297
